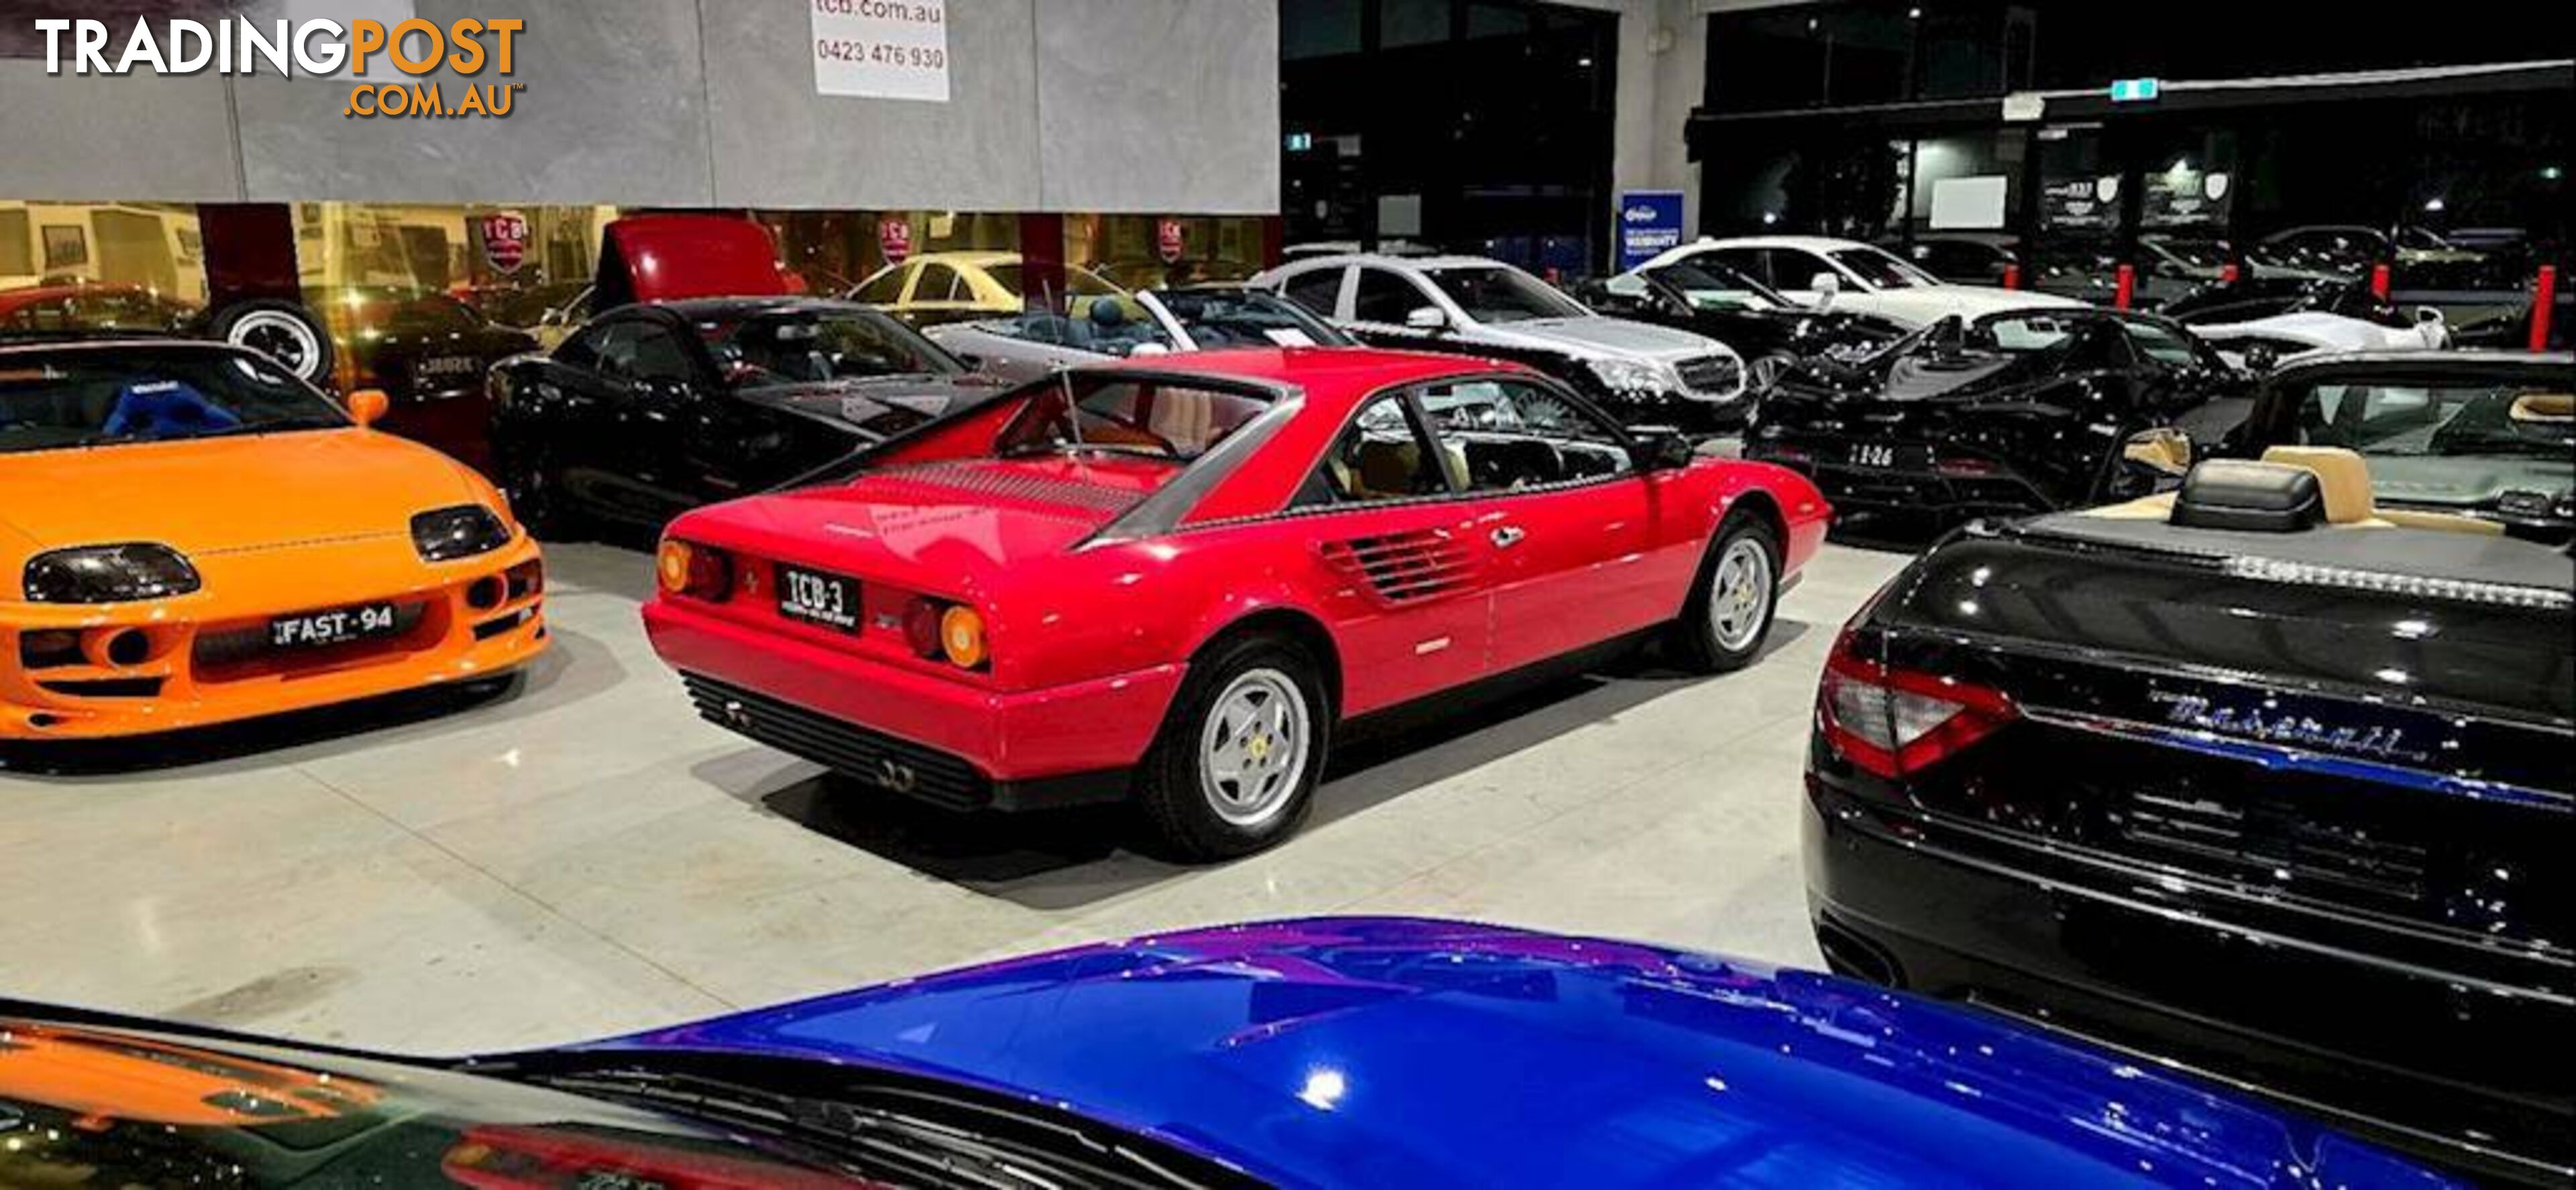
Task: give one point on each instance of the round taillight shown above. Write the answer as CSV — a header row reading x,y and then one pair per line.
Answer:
x,y
685,569
672,565
961,637
921,627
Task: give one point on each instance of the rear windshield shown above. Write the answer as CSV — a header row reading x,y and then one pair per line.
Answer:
x,y
1135,416
55,400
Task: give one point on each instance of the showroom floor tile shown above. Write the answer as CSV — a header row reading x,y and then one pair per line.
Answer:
x,y
584,856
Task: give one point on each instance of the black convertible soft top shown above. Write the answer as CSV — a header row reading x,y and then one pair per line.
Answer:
x,y
2398,551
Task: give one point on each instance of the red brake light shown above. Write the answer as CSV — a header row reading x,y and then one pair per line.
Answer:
x,y
921,627
1893,721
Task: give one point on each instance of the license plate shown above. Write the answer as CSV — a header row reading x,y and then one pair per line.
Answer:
x,y
1879,456
444,366
314,630
830,600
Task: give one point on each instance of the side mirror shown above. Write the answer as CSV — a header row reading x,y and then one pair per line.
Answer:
x,y
1662,448
2261,358
2165,449
367,406
1826,284
1426,318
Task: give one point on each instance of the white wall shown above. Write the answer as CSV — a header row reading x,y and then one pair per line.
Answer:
x,y
1149,106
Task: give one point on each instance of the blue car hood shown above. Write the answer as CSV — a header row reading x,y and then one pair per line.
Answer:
x,y
1398,1052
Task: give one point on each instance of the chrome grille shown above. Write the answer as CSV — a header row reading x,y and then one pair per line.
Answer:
x,y
1712,374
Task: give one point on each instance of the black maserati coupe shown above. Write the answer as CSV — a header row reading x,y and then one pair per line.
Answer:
x,y
652,409
2258,780
2016,412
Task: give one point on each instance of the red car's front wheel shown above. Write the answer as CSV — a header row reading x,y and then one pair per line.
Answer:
x,y
1236,765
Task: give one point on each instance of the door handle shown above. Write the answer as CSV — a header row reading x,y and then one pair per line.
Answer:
x,y
1509,536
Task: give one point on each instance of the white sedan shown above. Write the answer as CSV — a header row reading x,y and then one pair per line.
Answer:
x,y
1863,278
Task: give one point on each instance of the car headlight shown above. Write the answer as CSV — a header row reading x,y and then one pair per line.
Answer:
x,y
446,534
1634,376
109,574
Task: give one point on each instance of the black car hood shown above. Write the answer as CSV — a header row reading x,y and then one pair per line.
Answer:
x,y
880,405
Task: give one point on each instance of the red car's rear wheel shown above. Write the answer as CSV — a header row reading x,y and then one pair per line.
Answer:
x,y
1235,767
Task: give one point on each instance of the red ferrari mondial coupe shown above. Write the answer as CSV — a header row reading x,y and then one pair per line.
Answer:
x,y
1174,581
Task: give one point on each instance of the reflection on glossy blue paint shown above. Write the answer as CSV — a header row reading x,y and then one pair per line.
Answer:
x,y
1394,1052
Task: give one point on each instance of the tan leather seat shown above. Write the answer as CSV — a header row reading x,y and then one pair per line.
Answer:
x,y
2342,476
2543,407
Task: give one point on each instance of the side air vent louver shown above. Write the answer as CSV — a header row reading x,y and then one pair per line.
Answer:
x,y
1403,567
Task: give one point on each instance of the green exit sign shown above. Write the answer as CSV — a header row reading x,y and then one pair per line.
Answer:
x,y
2135,90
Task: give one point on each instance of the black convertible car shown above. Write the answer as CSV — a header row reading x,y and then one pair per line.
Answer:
x,y
653,409
1770,331
2021,411
2248,779
2491,435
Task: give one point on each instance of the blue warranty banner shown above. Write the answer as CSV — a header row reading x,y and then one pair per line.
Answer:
x,y
1650,221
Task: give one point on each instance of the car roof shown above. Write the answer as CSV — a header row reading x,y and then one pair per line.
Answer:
x,y
1386,260
971,258
1811,243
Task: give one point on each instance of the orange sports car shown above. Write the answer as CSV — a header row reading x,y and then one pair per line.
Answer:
x,y
190,536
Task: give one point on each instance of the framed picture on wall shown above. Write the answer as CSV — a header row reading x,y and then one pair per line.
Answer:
x,y
66,246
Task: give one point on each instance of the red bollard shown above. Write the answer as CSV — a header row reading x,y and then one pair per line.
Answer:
x,y
2012,276
2544,302
2228,273
2379,281
2128,287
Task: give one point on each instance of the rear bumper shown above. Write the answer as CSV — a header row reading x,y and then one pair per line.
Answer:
x,y
2205,990
915,733
203,663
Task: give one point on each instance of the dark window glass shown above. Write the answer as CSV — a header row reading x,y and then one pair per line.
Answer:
x,y
1412,22
658,355
2161,345
813,348
1490,294
940,283
1317,290
1318,28
884,289
1385,297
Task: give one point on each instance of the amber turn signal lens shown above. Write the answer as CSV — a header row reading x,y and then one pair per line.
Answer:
x,y
672,564
961,637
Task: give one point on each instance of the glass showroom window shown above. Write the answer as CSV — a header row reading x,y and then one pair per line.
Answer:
x,y
1142,251
834,252
100,266
379,270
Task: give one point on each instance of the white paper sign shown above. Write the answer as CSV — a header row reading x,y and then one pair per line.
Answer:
x,y
881,49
